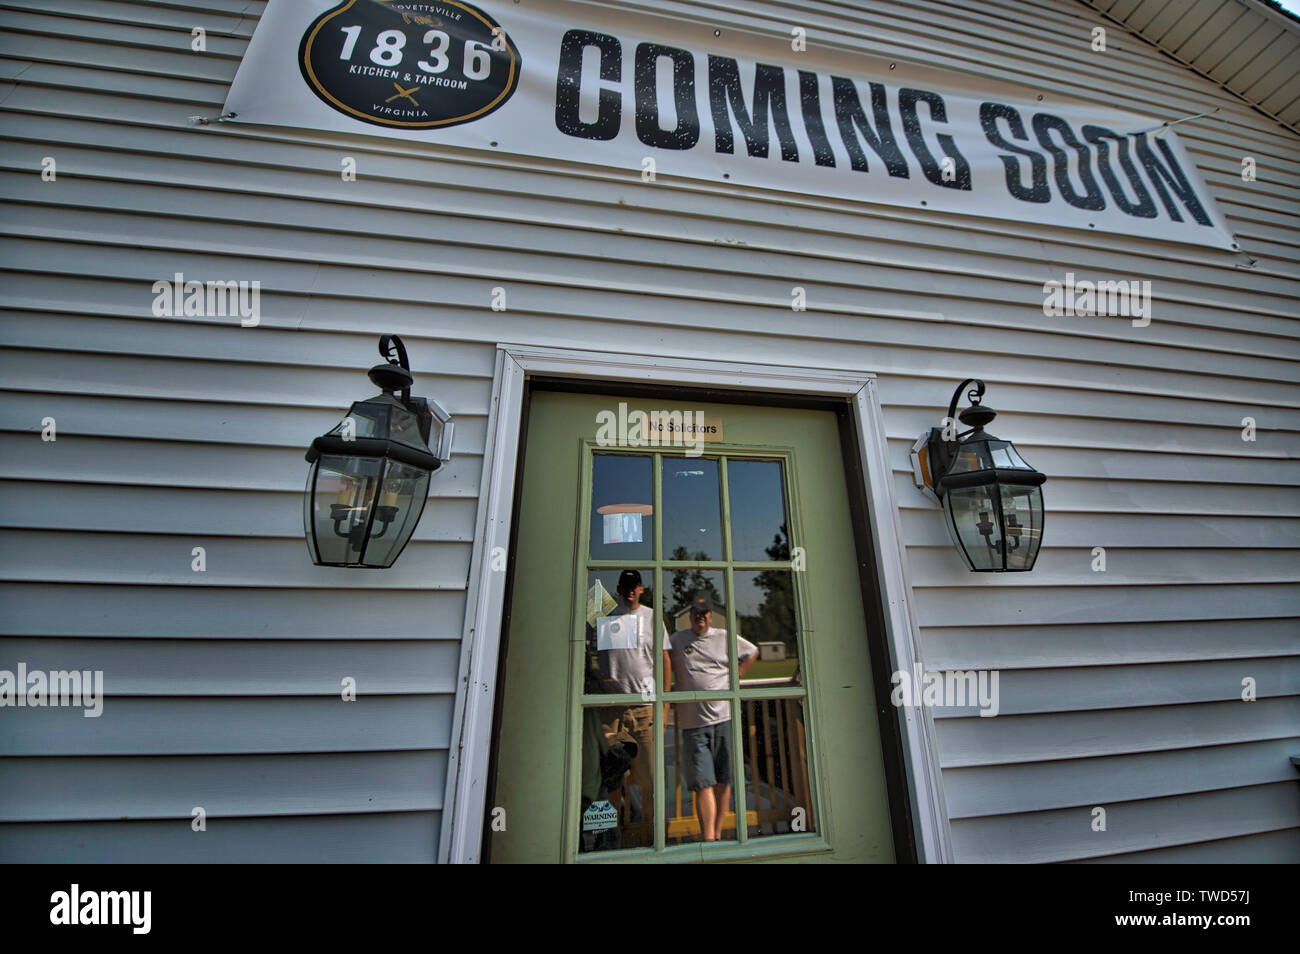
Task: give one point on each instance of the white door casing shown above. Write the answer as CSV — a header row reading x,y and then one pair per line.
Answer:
x,y
464,800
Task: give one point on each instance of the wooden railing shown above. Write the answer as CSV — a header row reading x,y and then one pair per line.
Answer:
x,y
779,773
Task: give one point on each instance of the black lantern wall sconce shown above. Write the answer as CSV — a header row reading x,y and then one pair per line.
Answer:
x,y
369,476
992,500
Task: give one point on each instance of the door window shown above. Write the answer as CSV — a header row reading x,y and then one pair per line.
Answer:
x,y
691,724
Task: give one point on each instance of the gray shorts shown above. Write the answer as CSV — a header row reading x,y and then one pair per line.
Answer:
x,y
706,756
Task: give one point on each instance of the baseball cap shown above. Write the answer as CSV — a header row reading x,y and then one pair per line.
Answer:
x,y
628,579
702,603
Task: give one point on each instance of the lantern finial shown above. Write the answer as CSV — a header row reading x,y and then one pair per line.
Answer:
x,y
395,373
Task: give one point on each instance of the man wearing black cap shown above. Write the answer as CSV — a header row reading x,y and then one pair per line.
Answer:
x,y
699,662
631,669
627,665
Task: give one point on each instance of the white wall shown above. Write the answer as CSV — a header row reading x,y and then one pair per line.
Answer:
x,y
1119,689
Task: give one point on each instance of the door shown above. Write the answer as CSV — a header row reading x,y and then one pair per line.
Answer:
x,y
686,671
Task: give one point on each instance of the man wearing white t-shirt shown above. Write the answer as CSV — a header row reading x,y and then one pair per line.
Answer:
x,y
625,664
699,662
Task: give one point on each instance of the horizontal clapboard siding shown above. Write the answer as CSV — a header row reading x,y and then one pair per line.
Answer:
x,y
1131,826
1043,786
224,786
179,725
1271,848
390,837
261,667
1118,688
342,610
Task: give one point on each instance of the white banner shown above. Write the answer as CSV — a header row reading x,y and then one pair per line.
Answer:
x,y
666,97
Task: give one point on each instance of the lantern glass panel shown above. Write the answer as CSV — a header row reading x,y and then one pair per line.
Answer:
x,y
341,491
972,518
404,428
308,512
401,501
1022,514
434,445
972,456
368,420
1004,455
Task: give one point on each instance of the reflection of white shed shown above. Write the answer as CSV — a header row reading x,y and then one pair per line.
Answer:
x,y
771,652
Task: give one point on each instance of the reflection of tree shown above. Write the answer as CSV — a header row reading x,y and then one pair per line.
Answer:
x,y
686,583
775,619
780,548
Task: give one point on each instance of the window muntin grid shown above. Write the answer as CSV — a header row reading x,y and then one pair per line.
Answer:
x,y
771,747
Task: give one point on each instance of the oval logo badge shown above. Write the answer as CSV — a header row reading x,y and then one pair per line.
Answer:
x,y
409,64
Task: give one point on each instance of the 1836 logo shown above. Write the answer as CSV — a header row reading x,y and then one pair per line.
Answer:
x,y
414,65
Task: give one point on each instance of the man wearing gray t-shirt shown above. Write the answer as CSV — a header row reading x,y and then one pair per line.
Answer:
x,y
699,662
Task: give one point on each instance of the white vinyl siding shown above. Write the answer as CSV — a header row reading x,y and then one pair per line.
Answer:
x,y
1118,689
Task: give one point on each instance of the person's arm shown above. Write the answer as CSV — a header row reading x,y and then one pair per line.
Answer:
x,y
745,661
668,681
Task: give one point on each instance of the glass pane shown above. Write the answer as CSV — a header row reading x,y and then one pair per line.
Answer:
x,y
692,509
344,492
622,511
684,586
1004,455
699,645
619,654
617,803
766,618
404,427
367,419
758,525
972,456
697,779
778,795
973,524
401,501
1022,510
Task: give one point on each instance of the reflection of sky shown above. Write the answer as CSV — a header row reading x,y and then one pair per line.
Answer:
x,y
757,506
749,595
692,511
691,508
618,479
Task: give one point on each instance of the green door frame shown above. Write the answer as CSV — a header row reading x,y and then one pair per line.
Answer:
x,y
912,772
